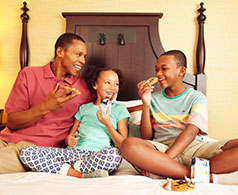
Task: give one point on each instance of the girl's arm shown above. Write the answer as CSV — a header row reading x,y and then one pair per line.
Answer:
x,y
71,139
116,136
122,133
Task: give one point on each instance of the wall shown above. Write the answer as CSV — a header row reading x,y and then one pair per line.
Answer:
x,y
178,29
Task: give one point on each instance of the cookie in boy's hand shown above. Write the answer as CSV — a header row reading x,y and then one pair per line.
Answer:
x,y
67,87
151,81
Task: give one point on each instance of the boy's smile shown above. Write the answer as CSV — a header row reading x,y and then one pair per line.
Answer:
x,y
169,74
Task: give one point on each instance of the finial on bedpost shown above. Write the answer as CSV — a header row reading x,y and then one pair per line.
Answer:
x,y
200,57
24,40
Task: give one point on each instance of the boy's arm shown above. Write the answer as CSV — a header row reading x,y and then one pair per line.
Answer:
x,y
145,127
183,140
145,95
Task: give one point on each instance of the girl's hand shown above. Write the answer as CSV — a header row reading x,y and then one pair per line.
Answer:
x,y
102,117
144,92
71,140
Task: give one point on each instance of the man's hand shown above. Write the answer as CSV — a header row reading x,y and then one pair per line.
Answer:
x,y
56,99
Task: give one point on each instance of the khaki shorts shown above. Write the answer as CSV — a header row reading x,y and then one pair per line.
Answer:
x,y
9,157
199,149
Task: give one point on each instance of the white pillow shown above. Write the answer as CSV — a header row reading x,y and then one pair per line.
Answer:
x,y
130,103
134,123
135,116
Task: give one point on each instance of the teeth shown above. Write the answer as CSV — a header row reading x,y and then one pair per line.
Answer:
x,y
78,67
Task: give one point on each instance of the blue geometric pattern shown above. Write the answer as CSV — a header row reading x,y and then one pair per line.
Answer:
x,y
49,159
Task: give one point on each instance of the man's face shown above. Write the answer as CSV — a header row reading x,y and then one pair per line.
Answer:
x,y
73,57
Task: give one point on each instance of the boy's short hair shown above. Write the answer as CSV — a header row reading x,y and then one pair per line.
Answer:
x,y
179,57
66,39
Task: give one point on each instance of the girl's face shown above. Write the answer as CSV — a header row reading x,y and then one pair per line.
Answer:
x,y
107,84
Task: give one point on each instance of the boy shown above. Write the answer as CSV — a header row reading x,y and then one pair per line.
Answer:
x,y
176,117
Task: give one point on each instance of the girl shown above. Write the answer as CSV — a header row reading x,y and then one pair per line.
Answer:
x,y
90,151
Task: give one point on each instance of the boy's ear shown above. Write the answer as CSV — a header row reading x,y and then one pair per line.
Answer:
x,y
182,71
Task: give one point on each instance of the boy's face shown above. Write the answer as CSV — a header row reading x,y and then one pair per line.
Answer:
x,y
168,73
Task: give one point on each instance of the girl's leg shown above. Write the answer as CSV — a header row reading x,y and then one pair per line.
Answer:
x,y
108,159
56,160
143,154
48,159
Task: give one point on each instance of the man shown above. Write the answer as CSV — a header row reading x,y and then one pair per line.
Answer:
x,y
39,111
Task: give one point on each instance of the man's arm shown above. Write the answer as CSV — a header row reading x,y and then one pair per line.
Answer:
x,y
54,101
183,140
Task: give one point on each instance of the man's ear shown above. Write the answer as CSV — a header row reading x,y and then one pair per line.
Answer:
x,y
60,52
182,71
95,87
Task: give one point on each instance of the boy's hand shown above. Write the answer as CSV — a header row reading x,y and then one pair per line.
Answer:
x,y
145,92
71,140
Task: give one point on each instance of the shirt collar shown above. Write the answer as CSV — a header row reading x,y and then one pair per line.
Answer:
x,y
48,73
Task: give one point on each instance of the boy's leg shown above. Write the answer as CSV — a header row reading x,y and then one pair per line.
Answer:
x,y
226,161
9,157
143,154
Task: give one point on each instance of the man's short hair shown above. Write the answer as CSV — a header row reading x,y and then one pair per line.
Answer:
x,y
179,57
66,39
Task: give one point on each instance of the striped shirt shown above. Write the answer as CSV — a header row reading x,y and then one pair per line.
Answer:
x,y
171,114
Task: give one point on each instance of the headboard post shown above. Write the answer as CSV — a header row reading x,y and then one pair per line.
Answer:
x,y
200,55
24,51
200,58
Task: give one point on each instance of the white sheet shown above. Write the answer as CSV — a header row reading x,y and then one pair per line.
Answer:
x,y
32,183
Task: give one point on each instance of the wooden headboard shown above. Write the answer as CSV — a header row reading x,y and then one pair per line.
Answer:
x,y
128,41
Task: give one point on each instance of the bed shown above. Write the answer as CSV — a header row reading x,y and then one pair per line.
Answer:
x,y
126,180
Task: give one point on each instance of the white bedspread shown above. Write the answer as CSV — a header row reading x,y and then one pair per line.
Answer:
x,y
31,183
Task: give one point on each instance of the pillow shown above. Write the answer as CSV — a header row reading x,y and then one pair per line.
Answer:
x,y
130,103
134,123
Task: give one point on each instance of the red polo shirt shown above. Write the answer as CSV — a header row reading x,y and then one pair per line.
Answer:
x,y
31,87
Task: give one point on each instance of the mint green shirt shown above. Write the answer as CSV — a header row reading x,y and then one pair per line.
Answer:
x,y
93,134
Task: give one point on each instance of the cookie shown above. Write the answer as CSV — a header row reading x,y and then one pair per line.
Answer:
x,y
151,81
67,87
181,185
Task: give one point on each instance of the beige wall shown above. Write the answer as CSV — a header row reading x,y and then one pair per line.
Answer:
x,y
178,28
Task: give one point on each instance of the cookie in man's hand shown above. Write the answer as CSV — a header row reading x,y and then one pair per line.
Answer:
x,y
67,87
